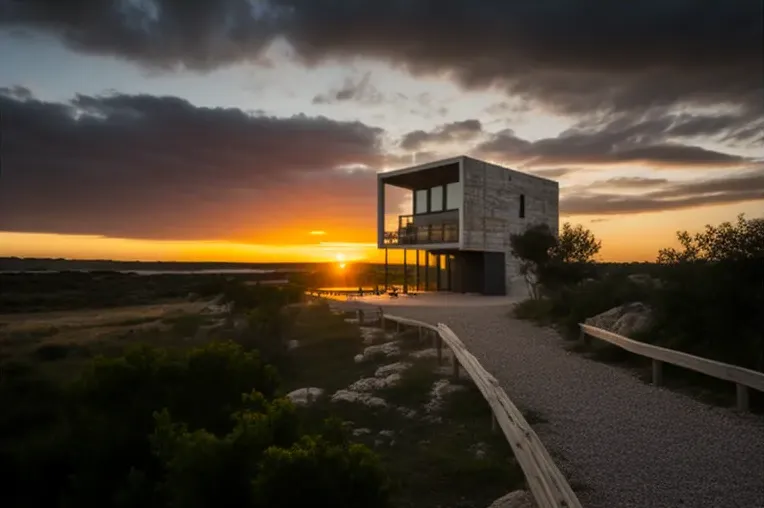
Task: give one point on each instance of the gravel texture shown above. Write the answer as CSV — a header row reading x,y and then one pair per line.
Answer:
x,y
620,442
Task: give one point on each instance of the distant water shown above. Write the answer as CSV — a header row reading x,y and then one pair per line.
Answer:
x,y
220,271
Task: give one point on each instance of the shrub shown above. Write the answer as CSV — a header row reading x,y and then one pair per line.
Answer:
x,y
52,352
538,310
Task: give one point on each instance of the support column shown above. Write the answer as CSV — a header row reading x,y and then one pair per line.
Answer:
x,y
426,270
438,285
386,270
405,273
448,273
416,275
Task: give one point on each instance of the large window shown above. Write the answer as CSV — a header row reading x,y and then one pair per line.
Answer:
x,y
453,195
436,199
420,201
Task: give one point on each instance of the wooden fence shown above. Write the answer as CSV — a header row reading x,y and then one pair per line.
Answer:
x,y
743,378
547,484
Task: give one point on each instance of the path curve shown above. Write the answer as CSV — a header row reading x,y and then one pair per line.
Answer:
x,y
620,442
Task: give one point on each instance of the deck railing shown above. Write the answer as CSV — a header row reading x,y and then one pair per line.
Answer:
x,y
743,378
410,234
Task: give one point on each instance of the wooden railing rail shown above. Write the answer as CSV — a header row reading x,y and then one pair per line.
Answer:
x,y
547,484
742,377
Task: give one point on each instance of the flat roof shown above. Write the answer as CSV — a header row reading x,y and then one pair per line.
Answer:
x,y
432,173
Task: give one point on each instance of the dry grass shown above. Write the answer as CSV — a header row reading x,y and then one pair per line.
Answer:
x,y
119,316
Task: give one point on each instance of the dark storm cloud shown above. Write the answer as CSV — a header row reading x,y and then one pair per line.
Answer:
x,y
601,146
455,131
159,167
738,189
575,56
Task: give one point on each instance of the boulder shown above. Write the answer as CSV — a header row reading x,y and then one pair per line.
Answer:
x,y
304,396
625,320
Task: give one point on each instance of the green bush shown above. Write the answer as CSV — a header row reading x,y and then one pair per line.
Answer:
x,y
157,429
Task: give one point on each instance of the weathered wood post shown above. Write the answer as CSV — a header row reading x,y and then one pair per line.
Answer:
x,y
359,314
455,365
583,338
419,332
397,327
494,423
742,397
439,347
657,372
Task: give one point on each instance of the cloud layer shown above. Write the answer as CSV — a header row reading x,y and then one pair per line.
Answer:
x,y
141,166
158,167
574,56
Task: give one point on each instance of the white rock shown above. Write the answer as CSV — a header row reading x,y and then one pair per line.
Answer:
x,y
358,397
361,431
440,389
397,367
387,433
389,349
424,353
293,344
358,358
407,412
369,335
479,450
304,396
624,320
516,499
369,384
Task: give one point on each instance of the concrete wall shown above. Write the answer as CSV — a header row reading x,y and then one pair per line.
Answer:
x,y
491,211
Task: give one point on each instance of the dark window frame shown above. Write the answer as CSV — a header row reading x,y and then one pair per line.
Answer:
x,y
522,206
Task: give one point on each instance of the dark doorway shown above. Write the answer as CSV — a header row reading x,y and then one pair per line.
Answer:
x,y
478,272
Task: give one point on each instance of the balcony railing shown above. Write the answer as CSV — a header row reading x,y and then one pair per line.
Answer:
x,y
422,235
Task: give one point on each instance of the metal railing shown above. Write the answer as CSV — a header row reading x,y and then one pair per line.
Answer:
x,y
422,235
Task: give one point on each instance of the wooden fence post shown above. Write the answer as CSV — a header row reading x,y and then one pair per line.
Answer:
x,y
742,397
583,338
657,372
455,365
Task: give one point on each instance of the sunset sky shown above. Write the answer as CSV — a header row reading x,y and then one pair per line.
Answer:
x,y
246,130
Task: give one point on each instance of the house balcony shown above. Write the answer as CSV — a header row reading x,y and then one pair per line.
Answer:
x,y
425,229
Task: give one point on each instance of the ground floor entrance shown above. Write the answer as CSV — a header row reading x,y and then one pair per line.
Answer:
x,y
453,270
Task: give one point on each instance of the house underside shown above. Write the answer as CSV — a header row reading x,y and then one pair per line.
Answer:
x,y
452,270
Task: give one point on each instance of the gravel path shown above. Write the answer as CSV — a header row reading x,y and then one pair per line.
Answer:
x,y
621,443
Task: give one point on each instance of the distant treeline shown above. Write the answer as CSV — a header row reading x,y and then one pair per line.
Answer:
x,y
43,264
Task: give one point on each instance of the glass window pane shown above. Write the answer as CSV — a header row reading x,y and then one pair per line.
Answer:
x,y
453,195
420,201
436,199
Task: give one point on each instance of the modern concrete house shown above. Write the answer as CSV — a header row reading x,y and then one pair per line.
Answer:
x,y
464,211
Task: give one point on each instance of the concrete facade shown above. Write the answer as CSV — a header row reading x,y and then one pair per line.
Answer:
x,y
491,205
489,212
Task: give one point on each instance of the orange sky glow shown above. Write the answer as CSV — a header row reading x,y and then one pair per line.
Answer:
x,y
624,238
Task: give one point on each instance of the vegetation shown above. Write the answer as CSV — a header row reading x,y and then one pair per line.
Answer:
x,y
706,296
183,421
180,401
